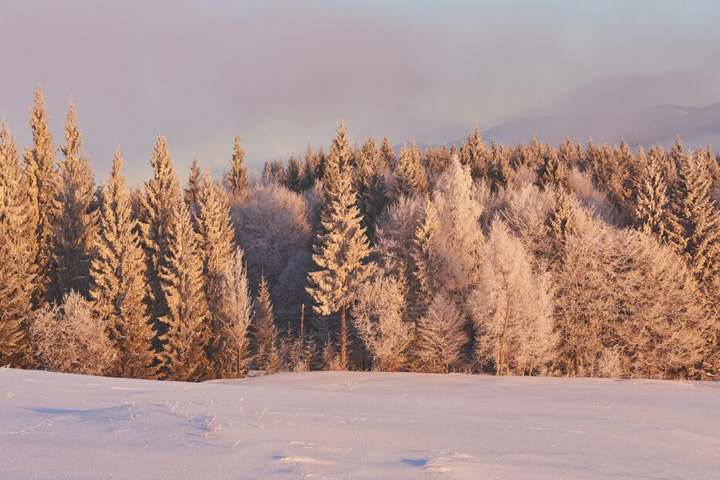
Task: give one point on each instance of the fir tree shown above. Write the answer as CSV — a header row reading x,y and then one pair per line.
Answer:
x,y
474,154
74,226
342,250
266,355
410,176
440,337
17,252
156,219
237,178
193,187
215,241
231,345
117,278
185,344
293,176
42,185
652,200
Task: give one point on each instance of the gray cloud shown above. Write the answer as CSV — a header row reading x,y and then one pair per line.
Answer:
x,y
283,74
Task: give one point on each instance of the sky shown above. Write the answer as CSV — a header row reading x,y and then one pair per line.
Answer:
x,y
283,74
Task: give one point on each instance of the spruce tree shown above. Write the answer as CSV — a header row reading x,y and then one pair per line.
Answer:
x,y
342,250
474,154
156,219
186,341
652,200
410,176
74,226
42,184
266,356
387,153
237,178
215,241
17,252
117,275
193,187
231,345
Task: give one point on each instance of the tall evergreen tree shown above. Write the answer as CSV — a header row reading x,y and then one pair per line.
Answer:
x,y
237,178
117,278
215,241
42,184
342,250
193,187
186,341
410,176
652,200
264,332
74,226
156,222
474,154
17,252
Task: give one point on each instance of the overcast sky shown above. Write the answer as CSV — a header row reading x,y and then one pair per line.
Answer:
x,y
282,74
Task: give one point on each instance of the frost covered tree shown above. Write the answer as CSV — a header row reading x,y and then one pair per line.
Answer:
x,y
215,240
42,185
341,254
652,200
156,222
379,320
275,233
409,172
266,356
193,187
187,321
70,339
231,345
74,225
475,155
511,308
117,279
17,252
237,177
440,337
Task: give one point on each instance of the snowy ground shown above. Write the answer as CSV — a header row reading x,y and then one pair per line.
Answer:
x,y
356,425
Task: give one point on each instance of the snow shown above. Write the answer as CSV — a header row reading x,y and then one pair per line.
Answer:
x,y
349,425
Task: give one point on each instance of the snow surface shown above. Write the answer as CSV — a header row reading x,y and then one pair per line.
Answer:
x,y
348,425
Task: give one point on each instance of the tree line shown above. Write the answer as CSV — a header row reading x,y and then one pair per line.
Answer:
x,y
592,260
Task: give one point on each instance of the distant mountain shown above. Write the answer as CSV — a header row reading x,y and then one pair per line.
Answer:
x,y
653,125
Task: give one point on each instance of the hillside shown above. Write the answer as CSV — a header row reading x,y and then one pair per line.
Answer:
x,y
356,425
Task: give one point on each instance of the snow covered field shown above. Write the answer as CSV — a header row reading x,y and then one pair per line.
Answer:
x,y
356,425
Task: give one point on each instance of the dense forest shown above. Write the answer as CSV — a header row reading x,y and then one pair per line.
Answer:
x,y
581,260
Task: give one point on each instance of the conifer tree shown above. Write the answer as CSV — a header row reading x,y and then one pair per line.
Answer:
x,y
215,242
231,345
387,153
17,252
266,355
42,184
193,187
156,219
551,172
237,178
474,154
293,175
185,344
74,227
440,337
694,229
410,176
342,250
652,200
117,276
370,185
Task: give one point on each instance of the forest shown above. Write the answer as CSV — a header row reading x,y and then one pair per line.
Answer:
x,y
575,260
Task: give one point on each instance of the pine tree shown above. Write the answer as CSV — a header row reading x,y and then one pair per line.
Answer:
x,y
17,252
293,175
551,172
193,187
156,219
474,154
74,226
42,185
266,355
370,185
440,337
342,250
215,242
231,345
387,153
652,200
237,178
410,176
694,229
185,344
117,278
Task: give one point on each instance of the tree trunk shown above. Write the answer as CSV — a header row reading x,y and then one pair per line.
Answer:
x,y
343,339
501,354
302,323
